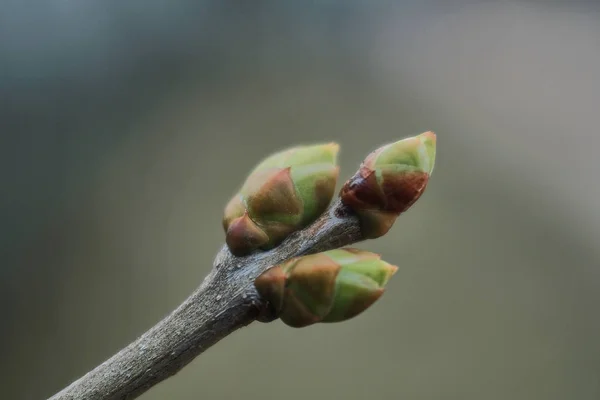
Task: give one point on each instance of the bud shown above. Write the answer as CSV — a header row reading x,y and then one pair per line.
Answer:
x,y
284,193
390,180
332,286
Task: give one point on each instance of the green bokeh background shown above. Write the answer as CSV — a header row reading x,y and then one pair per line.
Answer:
x,y
126,126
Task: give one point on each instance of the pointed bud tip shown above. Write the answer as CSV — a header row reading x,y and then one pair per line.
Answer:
x,y
391,271
427,150
429,135
333,146
415,153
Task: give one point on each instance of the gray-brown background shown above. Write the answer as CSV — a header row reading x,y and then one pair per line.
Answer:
x,y
126,126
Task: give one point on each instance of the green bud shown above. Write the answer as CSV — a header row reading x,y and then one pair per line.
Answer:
x,y
332,286
284,193
390,180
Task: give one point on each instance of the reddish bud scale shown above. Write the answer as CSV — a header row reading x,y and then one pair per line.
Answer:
x,y
389,182
284,193
332,286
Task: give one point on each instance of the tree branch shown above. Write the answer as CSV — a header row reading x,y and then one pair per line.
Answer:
x,y
224,302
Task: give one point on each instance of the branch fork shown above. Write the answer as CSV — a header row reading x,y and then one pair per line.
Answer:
x,y
283,242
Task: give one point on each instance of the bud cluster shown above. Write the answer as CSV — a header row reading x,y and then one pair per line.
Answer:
x,y
290,189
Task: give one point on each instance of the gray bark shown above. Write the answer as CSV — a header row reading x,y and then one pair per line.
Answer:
x,y
224,302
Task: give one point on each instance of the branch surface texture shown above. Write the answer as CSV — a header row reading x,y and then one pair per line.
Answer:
x,y
227,299
224,302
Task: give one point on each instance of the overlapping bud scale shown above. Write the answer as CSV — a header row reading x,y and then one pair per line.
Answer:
x,y
284,193
331,286
390,180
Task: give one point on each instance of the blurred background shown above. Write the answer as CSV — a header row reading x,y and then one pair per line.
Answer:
x,y
126,126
